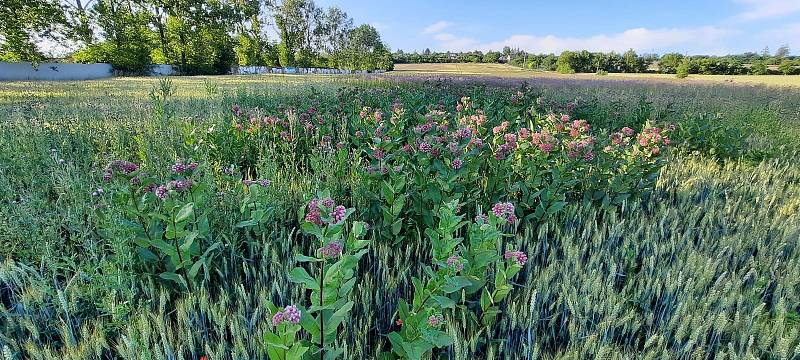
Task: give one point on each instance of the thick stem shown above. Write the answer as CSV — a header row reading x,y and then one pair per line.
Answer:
x,y
175,238
321,313
194,203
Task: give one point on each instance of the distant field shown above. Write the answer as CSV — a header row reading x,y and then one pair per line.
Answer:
x,y
501,70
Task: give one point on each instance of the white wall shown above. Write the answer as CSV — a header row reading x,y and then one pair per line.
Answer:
x,y
53,71
163,70
68,71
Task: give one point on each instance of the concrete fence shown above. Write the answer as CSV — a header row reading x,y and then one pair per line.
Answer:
x,y
68,71
53,71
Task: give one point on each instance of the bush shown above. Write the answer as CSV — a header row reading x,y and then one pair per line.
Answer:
x,y
682,71
711,134
130,58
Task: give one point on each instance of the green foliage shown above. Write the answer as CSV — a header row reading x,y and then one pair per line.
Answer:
x,y
285,55
633,63
759,68
337,261
682,71
711,134
20,20
564,62
789,67
131,58
365,51
669,63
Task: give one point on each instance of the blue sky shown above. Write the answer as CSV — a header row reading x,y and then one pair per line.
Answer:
x,y
714,27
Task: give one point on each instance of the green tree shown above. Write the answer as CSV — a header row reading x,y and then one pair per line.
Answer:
x,y
787,67
633,63
491,57
782,52
600,62
293,27
683,69
365,50
79,20
759,68
565,62
127,42
668,64
21,22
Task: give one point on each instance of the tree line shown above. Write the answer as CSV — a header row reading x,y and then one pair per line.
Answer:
x,y
628,62
200,36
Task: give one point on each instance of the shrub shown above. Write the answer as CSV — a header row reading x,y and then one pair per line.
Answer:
x,y
131,58
682,71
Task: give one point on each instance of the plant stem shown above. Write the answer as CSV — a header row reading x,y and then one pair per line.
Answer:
x,y
139,215
175,238
321,313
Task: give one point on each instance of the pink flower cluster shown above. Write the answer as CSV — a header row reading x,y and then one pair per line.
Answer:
x,y
455,262
425,147
476,120
456,164
290,314
578,127
544,141
518,256
161,192
581,148
333,249
119,166
424,128
181,185
462,133
499,129
504,210
180,167
652,138
523,133
436,320
327,206
620,138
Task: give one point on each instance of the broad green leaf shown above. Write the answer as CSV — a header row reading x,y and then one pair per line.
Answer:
x,y
300,275
185,212
444,302
455,283
296,352
303,258
179,280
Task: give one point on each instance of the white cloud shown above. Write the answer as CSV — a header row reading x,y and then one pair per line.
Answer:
x,y
437,27
640,39
766,9
786,34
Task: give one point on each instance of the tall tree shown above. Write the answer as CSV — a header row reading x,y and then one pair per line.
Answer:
x,y
292,25
79,18
22,22
633,62
782,52
365,50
